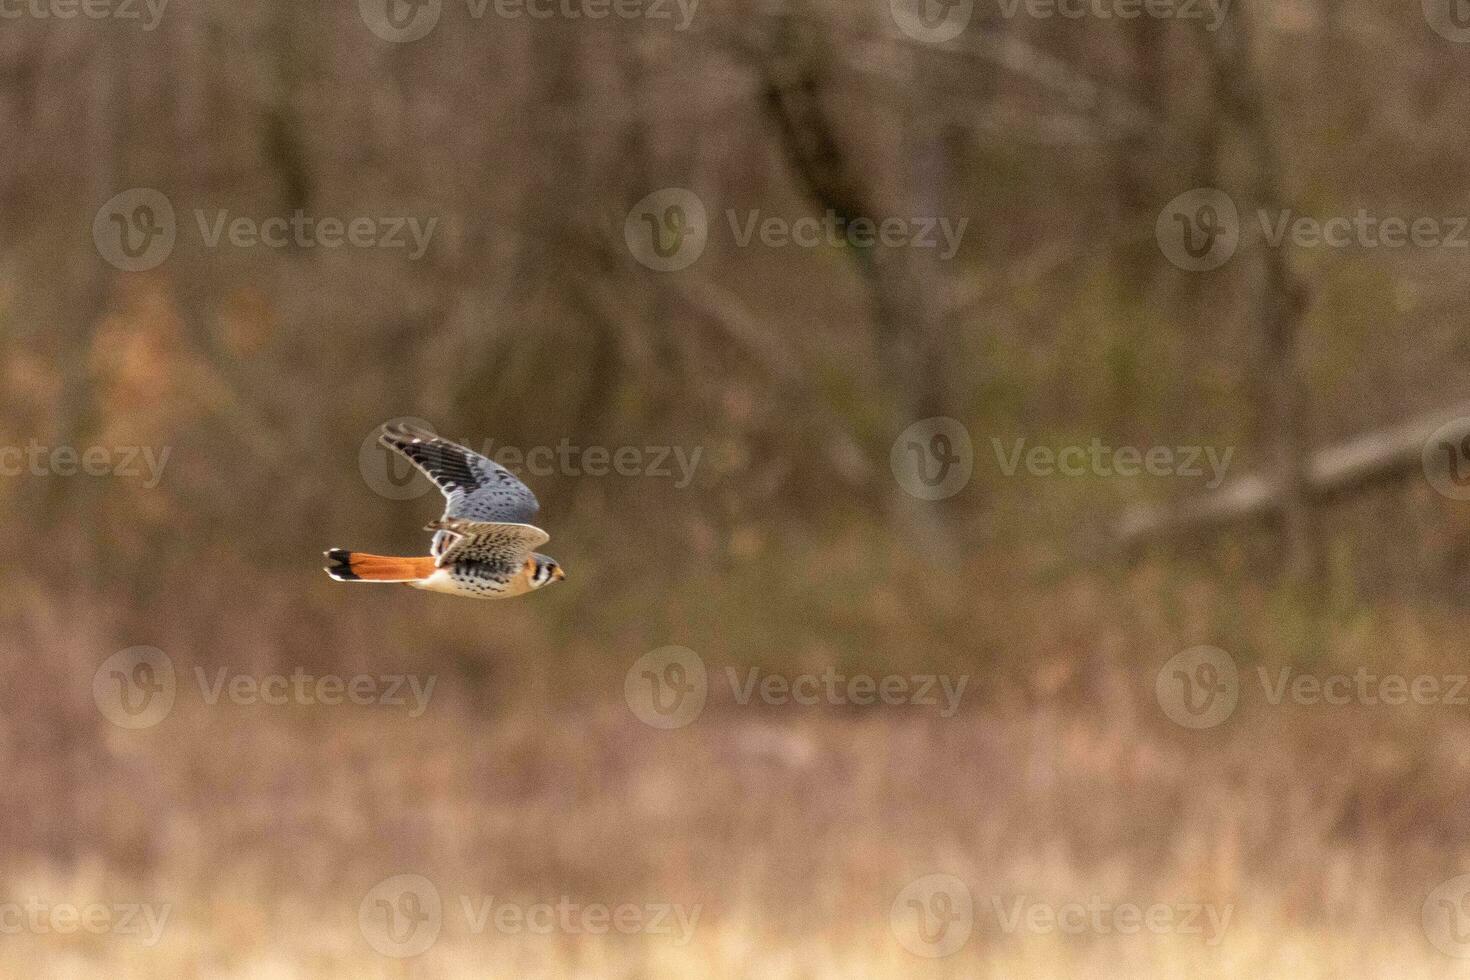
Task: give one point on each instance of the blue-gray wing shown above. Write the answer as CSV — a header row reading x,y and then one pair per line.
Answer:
x,y
474,488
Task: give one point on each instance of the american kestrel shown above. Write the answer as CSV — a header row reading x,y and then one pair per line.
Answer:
x,y
483,545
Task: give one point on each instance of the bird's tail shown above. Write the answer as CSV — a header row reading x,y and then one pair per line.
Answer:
x,y
355,566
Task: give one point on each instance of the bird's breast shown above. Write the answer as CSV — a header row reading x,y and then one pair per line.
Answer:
x,y
474,579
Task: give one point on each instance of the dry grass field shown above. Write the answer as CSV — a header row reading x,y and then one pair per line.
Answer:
x,y
1089,835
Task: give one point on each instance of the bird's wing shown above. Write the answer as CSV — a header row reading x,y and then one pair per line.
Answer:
x,y
491,542
474,488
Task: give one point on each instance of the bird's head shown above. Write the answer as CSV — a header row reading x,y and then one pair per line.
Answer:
x,y
543,570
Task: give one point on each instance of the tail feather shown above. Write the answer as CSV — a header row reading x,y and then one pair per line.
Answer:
x,y
355,566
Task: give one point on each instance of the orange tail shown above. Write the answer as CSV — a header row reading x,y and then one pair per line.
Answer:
x,y
354,566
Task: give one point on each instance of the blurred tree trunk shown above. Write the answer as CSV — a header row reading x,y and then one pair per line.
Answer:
x,y
1135,162
284,142
1278,299
107,108
908,295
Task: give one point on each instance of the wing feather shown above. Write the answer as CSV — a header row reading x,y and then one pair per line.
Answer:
x,y
493,543
475,488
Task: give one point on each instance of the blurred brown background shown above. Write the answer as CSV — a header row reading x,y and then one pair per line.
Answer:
x,y
235,240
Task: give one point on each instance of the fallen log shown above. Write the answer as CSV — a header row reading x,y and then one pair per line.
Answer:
x,y
1350,467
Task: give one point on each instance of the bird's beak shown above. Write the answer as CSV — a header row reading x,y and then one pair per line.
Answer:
x,y
557,574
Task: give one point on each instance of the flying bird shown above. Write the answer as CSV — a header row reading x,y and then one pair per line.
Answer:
x,y
483,546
